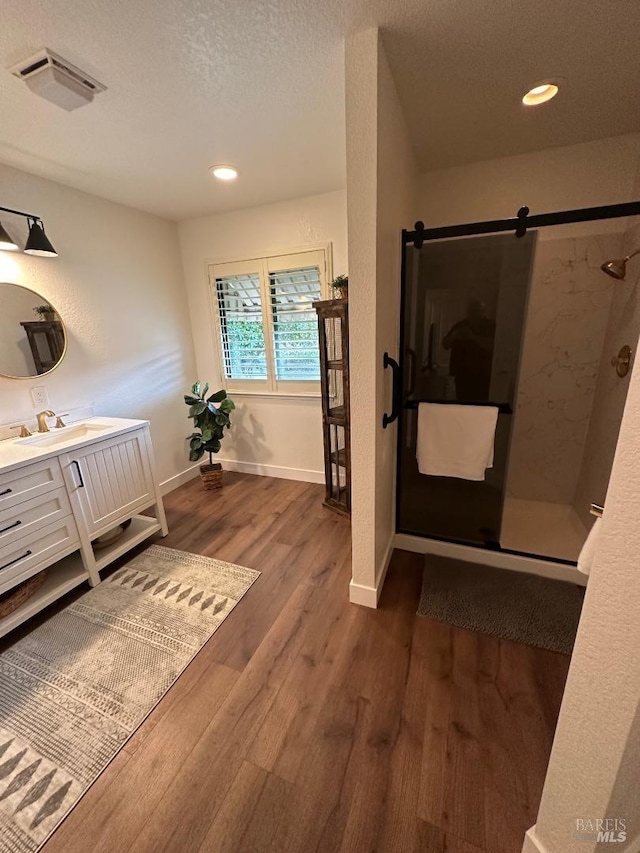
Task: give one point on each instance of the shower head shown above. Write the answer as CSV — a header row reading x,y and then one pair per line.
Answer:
x,y
617,268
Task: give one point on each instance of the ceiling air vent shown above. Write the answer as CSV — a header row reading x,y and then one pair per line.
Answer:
x,y
52,77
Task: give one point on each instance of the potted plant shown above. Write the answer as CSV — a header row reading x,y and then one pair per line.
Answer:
x,y
340,285
210,419
45,312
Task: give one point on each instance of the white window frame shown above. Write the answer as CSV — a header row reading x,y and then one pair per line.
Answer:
x,y
292,259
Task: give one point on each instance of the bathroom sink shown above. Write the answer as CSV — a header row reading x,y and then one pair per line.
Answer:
x,y
65,435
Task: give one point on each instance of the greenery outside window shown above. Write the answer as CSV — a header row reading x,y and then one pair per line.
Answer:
x,y
266,326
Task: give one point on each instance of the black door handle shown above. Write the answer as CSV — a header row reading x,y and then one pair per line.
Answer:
x,y
6,492
10,526
387,361
78,469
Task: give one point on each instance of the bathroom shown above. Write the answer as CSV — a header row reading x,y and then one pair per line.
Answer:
x,y
319,709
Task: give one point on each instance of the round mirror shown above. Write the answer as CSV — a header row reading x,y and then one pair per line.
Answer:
x,y
32,336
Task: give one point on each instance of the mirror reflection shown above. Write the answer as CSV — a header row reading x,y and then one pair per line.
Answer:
x,y
32,335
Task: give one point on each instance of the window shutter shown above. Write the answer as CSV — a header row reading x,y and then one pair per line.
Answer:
x,y
241,328
295,327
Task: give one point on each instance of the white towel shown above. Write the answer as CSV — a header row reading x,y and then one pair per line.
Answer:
x,y
456,441
585,560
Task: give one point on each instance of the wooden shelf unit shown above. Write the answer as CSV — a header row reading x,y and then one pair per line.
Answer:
x,y
47,343
333,337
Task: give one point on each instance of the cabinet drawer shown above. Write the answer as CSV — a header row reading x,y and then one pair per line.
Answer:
x,y
31,515
29,554
29,482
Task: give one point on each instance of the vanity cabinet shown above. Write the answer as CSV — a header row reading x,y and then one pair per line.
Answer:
x,y
52,509
37,526
109,482
32,553
27,483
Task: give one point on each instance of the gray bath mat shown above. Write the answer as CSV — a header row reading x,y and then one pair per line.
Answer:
x,y
512,605
76,687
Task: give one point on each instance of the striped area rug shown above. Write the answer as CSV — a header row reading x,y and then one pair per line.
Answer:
x,y
76,688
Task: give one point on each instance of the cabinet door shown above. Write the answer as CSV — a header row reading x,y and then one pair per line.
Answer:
x,y
110,481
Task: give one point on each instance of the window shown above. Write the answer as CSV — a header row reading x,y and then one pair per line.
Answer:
x,y
242,334
266,324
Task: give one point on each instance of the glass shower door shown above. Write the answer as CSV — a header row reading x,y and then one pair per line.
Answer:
x,y
464,304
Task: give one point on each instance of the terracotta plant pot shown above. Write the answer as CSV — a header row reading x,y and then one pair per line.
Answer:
x,y
211,476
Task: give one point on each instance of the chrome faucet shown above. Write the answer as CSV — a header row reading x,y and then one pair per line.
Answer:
x,y
41,417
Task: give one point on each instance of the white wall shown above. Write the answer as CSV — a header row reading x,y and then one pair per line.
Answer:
x,y
591,772
281,436
593,769
593,173
396,177
361,56
381,181
117,284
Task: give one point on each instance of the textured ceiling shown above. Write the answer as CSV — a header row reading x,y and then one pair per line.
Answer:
x,y
261,85
462,72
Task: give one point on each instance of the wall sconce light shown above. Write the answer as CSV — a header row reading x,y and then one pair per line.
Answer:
x,y
6,242
37,242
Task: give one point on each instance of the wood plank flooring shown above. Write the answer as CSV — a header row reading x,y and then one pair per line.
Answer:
x,y
309,724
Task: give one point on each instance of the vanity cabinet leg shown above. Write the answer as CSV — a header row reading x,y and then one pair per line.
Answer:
x,y
159,506
89,560
162,517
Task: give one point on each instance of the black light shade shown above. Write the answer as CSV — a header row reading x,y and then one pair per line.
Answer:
x,y
38,243
6,243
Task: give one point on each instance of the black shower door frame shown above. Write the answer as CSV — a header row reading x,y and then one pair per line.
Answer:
x,y
519,224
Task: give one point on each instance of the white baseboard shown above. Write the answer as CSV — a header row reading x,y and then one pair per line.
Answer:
x,y
178,480
301,474
364,595
485,557
369,596
532,844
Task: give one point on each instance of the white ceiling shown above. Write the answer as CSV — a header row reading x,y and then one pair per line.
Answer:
x,y
461,75
261,85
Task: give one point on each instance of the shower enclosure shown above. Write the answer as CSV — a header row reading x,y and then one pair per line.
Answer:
x,y
518,314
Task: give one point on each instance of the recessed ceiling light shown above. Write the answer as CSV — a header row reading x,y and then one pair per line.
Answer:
x,y
539,94
224,173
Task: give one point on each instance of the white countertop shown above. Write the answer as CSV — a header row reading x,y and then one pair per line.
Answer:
x,y
16,452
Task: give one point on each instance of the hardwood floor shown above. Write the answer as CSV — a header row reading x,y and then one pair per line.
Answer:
x,y
309,724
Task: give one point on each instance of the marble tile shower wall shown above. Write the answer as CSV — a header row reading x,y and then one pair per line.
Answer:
x,y
565,331
611,391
